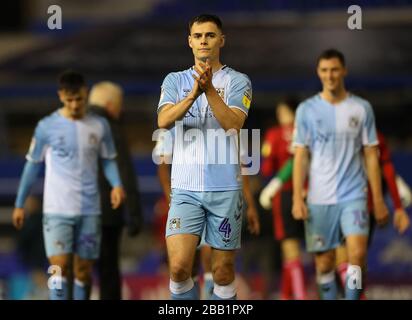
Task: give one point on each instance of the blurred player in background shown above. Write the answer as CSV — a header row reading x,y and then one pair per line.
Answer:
x,y
71,141
337,130
207,96
276,152
400,216
106,100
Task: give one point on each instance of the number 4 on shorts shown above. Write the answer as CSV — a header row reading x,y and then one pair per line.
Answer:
x,y
225,228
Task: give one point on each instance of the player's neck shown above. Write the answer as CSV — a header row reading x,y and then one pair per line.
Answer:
x,y
216,65
334,97
65,113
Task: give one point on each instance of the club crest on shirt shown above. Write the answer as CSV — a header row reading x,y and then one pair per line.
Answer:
x,y
353,122
221,92
186,92
174,224
92,139
318,241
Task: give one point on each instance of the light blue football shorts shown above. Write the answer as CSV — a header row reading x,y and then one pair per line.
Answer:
x,y
328,225
218,213
79,234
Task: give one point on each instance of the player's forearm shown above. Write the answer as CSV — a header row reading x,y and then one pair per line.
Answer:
x,y
250,201
224,115
389,175
111,172
300,168
169,114
163,172
28,178
374,173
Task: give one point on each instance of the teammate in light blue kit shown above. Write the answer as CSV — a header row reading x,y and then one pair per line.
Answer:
x,y
337,129
71,142
206,193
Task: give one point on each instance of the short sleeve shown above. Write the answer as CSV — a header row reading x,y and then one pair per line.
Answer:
x,y
369,137
168,91
301,131
240,93
38,144
107,147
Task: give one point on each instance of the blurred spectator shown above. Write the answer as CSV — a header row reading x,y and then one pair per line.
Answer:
x,y
106,99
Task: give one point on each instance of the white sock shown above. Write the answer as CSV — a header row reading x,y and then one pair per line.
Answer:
x,y
225,292
181,286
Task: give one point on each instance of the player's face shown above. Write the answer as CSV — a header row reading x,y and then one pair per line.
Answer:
x,y
74,102
206,39
285,115
331,73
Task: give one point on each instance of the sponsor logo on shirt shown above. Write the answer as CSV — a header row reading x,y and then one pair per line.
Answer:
x,y
221,92
353,122
92,139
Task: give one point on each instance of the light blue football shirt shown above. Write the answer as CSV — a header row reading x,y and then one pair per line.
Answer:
x,y
335,136
196,165
71,149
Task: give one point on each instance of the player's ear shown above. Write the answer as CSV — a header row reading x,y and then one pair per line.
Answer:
x,y
318,71
189,40
222,40
60,94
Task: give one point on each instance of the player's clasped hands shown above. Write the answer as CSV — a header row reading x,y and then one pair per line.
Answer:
x,y
205,75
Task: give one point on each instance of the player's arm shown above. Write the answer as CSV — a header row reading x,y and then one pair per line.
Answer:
x,y
300,169
228,118
35,157
374,176
111,172
169,111
251,212
108,154
163,173
30,172
400,217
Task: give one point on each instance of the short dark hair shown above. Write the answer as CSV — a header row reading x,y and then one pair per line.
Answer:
x,y
332,53
71,81
206,18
